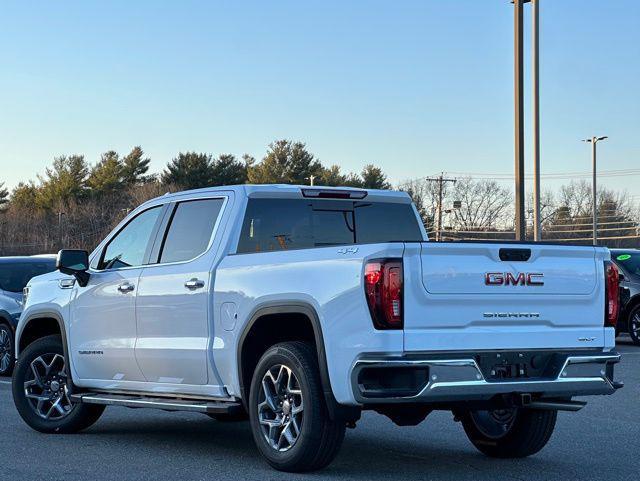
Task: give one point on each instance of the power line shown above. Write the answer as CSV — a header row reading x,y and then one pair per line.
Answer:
x,y
558,175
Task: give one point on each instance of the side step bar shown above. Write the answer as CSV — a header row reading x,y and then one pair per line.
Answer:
x,y
166,404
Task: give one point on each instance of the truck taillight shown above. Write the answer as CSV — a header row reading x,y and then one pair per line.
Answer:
x,y
612,294
383,279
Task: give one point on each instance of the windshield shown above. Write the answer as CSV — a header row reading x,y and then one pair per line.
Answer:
x,y
14,276
630,262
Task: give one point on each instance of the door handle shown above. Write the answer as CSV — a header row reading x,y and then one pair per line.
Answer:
x,y
194,284
126,287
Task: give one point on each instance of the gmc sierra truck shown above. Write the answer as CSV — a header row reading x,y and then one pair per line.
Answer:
x,y
298,307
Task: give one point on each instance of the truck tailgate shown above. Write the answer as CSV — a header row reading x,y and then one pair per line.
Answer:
x,y
474,296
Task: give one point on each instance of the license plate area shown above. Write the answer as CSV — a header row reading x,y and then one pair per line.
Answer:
x,y
524,365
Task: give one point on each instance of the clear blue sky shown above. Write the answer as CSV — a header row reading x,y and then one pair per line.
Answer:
x,y
413,86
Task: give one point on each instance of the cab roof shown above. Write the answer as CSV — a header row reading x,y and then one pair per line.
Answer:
x,y
297,192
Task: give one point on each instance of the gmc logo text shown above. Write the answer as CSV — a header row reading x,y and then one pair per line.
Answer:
x,y
509,279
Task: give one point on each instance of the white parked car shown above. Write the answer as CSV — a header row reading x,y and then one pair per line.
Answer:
x,y
302,306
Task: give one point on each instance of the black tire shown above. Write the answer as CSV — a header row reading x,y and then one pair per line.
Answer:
x,y
526,432
6,350
634,325
77,418
319,438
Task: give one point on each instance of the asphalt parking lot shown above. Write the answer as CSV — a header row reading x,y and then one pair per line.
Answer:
x,y
600,442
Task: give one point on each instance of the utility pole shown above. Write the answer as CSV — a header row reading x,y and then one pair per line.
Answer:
x,y
535,51
441,180
593,141
311,178
520,222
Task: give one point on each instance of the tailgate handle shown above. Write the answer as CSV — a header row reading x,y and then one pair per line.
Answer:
x,y
515,255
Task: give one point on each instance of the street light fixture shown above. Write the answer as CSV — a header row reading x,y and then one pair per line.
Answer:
x,y
593,141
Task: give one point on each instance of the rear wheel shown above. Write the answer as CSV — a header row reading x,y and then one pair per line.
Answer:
x,y
509,433
634,325
41,390
289,418
6,350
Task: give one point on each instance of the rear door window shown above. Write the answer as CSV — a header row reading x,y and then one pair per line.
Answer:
x,y
190,229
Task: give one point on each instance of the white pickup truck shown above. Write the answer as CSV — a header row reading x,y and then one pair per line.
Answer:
x,y
298,307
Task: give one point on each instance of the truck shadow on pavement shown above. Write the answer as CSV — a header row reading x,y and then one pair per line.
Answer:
x,y
363,456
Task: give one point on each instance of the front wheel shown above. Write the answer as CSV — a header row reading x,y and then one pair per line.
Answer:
x,y
634,326
509,433
289,418
41,390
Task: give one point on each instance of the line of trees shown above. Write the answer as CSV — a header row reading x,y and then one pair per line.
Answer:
x,y
75,204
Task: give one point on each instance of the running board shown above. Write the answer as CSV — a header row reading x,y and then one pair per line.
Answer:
x,y
166,404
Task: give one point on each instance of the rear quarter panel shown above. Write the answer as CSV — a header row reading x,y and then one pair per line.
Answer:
x,y
328,279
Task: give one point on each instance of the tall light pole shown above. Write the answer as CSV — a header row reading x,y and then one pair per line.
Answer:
x,y
535,52
520,222
593,141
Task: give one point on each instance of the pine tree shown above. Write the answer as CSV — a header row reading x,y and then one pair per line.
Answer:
x,y
107,175
64,182
227,170
374,178
4,194
286,162
134,167
189,170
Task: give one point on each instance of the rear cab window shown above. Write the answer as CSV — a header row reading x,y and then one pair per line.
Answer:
x,y
287,224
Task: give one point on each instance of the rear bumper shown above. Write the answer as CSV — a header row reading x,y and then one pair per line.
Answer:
x,y
456,377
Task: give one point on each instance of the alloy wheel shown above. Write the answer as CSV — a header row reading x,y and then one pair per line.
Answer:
x,y
46,387
635,324
280,408
5,349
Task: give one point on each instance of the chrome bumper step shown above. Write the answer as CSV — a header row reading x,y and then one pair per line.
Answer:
x,y
462,379
166,404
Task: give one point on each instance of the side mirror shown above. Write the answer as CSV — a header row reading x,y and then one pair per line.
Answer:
x,y
74,262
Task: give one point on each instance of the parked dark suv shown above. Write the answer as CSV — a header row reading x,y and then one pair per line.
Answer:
x,y
15,272
628,261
